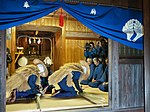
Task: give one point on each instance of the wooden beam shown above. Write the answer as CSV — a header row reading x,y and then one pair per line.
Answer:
x,y
120,3
130,61
82,38
82,35
146,10
38,28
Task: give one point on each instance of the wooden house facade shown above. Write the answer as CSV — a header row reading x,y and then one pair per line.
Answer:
x,y
128,72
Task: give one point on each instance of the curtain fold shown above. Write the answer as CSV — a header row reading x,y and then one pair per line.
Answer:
x,y
119,24
17,12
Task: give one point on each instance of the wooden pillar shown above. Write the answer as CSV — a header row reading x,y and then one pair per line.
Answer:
x,y
146,12
113,74
2,71
13,49
64,42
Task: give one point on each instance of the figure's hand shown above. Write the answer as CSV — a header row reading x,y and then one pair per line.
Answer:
x,y
80,92
93,80
39,87
82,88
12,97
45,89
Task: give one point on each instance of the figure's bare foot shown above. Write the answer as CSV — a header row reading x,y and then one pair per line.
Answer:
x,y
12,97
53,92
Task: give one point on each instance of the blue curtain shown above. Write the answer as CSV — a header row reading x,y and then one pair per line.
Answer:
x,y
121,25
17,12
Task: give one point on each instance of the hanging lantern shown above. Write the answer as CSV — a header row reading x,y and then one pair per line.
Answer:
x,y
39,41
34,40
61,19
29,40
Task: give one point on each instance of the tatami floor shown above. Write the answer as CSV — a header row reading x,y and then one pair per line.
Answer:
x,y
92,97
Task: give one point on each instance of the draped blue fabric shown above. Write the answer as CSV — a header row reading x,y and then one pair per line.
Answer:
x,y
119,24
13,12
108,21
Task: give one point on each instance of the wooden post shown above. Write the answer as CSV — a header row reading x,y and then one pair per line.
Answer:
x,y
13,49
146,12
2,70
113,74
64,42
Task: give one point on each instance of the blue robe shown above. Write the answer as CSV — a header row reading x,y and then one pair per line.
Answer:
x,y
66,91
104,87
104,77
32,91
45,83
98,72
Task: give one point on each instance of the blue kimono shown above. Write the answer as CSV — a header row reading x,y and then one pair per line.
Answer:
x,y
104,77
89,79
31,92
104,86
97,74
66,91
45,83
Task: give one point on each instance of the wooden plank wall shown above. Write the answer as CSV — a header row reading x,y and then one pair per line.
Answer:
x,y
126,80
130,77
76,37
2,71
75,49
130,85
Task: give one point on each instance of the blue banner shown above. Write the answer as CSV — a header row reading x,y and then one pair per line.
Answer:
x,y
17,12
119,24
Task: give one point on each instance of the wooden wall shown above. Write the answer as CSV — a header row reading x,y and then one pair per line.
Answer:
x,y
126,80
76,37
75,49
130,85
